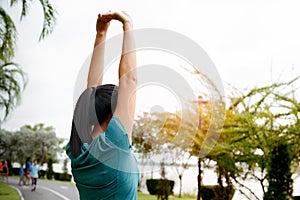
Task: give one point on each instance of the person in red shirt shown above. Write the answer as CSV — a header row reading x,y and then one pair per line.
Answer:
x,y
1,167
5,171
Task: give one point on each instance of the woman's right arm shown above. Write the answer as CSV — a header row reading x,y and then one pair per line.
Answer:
x,y
125,108
96,70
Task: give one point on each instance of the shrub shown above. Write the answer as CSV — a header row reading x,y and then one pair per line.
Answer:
x,y
212,192
15,171
155,185
279,173
42,173
62,176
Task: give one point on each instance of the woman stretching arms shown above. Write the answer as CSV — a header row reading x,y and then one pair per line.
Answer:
x,y
102,163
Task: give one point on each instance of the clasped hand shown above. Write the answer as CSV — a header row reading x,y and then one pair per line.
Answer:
x,y
103,20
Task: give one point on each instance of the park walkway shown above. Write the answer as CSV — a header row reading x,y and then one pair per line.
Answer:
x,y
47,190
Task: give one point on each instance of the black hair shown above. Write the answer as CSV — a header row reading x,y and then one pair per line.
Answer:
x,y
92,108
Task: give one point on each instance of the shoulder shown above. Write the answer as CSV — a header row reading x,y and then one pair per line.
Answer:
x,y
117,134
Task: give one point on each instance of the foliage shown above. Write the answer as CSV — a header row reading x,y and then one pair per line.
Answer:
x,y
256,124
12,79
39,142
279,174
12,83
152,197
8,35
164,134
214,192
8,31
166,137
50,171
144,135
155,185
62,177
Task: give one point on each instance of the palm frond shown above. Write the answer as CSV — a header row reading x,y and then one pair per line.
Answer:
x,y
13,2
24,9
12,82
49,18
8,36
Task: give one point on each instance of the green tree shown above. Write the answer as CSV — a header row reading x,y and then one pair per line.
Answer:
x,y
166,137
12,78
45,144
279,173
145,139
50,172
261,127
39,142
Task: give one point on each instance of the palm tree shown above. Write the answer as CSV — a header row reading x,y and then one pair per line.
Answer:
x,y
12,82
12,78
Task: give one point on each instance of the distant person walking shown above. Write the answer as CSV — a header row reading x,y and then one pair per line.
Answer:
x,y
27,170
35,168
22,175
1,168
5,171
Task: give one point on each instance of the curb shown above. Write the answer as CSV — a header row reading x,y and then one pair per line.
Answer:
x,y
19,191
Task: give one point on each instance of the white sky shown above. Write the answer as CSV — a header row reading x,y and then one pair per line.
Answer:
x,y
252,43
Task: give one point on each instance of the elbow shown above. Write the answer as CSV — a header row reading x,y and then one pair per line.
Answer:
x,y
132,79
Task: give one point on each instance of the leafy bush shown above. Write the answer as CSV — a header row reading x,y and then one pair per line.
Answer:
x,y
154,186
213,192
62,176
279,173
15,171
42,173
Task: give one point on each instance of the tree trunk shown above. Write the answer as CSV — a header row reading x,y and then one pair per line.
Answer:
x,y
140,182
180,186
220,181
199,179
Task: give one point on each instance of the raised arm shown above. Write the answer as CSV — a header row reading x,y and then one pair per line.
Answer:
x,y
127,75
95,75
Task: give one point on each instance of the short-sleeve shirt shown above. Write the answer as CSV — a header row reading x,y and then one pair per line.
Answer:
x,y
34,171
106,168
28,166
21,171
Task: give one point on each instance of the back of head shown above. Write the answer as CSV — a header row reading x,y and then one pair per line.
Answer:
x,y
93,107
105,102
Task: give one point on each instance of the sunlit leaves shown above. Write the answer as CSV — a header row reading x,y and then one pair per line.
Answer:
x,y
259,121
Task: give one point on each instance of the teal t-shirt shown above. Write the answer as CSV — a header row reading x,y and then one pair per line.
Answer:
x,y
34,171
106,168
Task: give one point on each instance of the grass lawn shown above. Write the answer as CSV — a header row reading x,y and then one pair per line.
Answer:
x,y
142,196
8,193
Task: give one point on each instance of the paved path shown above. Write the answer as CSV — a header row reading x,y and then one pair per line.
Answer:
x,y
47,190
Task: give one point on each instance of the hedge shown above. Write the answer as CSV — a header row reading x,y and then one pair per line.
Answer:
x,y
62,176
155,186
43,173
214,192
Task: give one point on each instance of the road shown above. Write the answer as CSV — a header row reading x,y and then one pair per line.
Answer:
x,y
47,190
